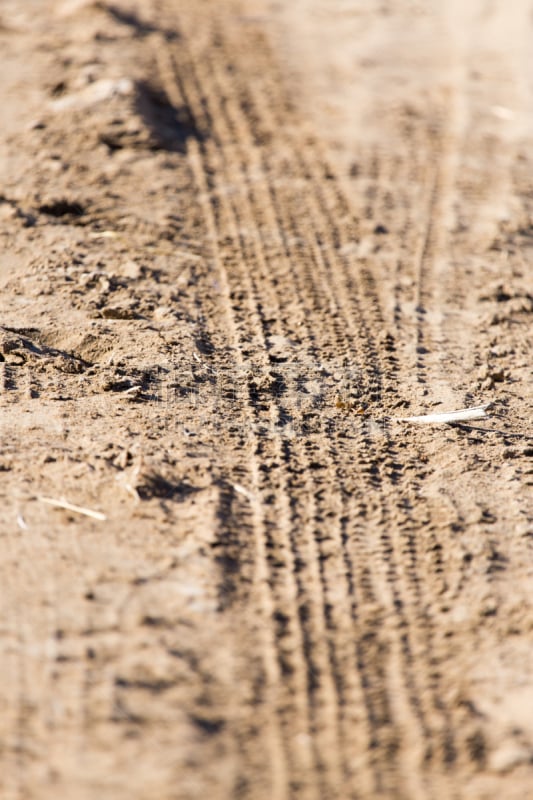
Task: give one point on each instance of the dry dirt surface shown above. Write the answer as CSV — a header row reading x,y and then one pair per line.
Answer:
x,y
239,242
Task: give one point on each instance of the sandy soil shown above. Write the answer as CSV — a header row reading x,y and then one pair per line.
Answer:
x,y
240,240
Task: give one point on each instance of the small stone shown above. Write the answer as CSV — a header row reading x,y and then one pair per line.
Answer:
x,y
131,269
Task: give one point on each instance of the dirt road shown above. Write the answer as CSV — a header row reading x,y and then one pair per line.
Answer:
x,y
240,241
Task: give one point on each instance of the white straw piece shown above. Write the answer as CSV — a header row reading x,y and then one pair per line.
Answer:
x,y
87,512
241,490
464,414
21,522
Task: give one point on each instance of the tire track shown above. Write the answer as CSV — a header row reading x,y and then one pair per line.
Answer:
x,y
312,560
405,545
320,517
384,715
273,552
251,252
395,544
263,545
288,252
435,744
427,558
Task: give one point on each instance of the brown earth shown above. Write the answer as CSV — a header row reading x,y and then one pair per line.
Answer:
x,y
239,241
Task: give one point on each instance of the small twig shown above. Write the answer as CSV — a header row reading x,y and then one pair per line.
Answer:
x,y
62,503
475,412
241,490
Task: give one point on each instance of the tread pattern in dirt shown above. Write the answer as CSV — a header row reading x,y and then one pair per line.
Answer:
x,y
281,234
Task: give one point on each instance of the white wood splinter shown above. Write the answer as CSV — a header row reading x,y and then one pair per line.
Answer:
x,y
464,414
